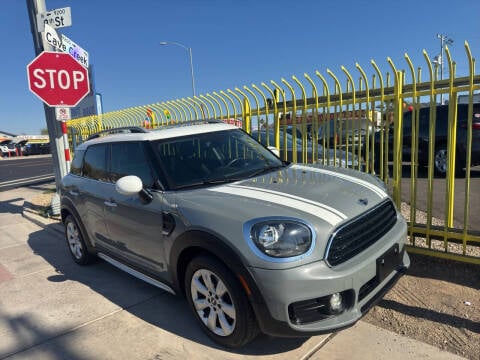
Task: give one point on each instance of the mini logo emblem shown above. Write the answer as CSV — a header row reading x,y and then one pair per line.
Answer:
x,y
363,201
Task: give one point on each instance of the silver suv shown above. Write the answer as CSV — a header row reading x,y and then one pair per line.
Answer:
x,y
204,211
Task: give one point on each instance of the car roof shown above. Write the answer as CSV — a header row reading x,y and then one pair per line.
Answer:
x,y
163,132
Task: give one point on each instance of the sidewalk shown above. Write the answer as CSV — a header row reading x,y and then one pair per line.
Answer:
x,y
50,308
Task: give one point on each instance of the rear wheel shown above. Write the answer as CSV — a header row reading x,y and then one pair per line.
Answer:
x,y
76,242
440,162
219,302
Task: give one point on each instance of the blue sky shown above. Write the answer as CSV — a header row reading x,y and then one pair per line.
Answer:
x,y
234,43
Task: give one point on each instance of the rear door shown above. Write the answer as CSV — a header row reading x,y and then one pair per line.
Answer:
x,y
91,191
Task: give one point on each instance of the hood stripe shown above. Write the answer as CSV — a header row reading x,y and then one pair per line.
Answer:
x,y
303,206
302,199
382,194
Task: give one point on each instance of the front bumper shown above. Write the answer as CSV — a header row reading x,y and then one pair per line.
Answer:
x,y
358,277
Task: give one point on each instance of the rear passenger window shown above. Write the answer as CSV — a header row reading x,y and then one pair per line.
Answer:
x,y
76,166
129,158
95,164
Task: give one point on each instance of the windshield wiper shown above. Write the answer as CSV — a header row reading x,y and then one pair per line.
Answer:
x,y
204,182
266,169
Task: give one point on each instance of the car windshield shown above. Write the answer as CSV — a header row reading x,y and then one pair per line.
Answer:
x,y
212,158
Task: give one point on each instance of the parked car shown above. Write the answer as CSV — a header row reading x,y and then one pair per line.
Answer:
x,y
338,158
8,148
339,132
204,211
36,149
441,133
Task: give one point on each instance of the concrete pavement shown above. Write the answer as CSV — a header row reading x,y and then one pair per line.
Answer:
x,y
51,308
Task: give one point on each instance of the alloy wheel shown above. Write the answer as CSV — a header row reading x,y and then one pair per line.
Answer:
x,y
74,242
213,302
441,161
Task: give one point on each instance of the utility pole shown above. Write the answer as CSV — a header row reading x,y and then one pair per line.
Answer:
x,y
444,40
53,126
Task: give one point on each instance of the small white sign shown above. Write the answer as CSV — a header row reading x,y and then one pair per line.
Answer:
x,y
56,18
52,37
62,113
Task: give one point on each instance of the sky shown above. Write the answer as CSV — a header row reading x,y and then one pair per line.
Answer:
x,y
234,43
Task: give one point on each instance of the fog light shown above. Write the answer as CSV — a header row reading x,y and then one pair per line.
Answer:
x,y
336,303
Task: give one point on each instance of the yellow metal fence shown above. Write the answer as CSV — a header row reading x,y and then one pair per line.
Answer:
x,y
359,120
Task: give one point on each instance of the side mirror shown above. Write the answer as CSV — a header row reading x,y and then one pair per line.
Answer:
x,y
274,150
132,185
129,185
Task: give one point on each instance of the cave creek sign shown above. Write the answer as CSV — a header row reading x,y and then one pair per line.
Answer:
x,y
65,45
58,79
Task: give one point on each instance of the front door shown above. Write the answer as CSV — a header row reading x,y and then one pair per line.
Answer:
x,y
133,225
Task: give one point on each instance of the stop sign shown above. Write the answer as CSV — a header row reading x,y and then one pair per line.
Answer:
x,y
58,79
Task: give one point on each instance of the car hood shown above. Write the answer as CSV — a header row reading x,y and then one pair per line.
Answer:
x,y
323,197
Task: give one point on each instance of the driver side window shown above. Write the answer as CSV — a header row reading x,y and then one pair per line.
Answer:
x,y
129,158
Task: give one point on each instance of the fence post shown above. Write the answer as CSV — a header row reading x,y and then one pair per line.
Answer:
x,y
397,138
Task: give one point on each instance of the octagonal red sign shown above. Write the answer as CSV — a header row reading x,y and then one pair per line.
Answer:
x,y
58,79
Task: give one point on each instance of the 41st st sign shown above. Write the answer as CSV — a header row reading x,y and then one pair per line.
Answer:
x,y
56,18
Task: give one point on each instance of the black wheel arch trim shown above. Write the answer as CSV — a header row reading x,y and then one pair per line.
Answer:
x,y
201,242
67,208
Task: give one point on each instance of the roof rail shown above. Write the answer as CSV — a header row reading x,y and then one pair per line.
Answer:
x,y
121,130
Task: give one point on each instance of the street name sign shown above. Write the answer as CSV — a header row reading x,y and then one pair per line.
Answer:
x,y
65,45
58,79
56,18
78,53
51,36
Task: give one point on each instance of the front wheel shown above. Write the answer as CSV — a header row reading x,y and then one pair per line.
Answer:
x,y
219,302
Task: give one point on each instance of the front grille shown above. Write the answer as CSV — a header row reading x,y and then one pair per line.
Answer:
x,y
354,237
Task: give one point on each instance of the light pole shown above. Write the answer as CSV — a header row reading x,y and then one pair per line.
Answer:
x,y
444,40
189,50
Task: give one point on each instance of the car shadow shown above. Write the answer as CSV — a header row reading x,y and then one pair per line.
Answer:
x,y
140,299
431,315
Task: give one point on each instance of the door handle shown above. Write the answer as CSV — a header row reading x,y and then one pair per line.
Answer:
x,y
110,203
73,192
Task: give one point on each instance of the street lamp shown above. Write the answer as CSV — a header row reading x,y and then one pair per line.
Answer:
x,y
444,40
189,50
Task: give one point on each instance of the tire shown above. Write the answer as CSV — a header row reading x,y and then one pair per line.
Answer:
x,y
440,163
219,303
76,242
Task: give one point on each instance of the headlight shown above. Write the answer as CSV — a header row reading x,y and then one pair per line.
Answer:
x,y
281,238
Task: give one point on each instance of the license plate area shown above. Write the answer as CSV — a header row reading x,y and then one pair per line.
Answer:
x,y
388,262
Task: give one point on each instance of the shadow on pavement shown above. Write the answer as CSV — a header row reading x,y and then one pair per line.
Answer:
x,y
431,315
9,206
144,301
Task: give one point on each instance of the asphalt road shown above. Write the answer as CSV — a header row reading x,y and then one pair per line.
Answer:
x,y
24,171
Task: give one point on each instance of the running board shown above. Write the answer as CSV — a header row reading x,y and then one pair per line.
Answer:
x,y
136,273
